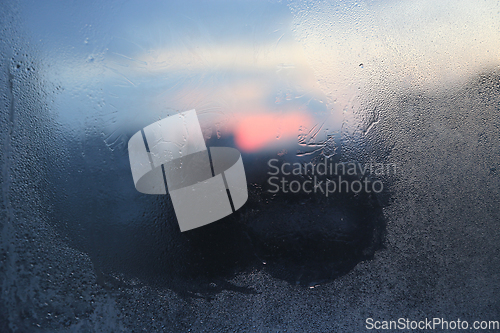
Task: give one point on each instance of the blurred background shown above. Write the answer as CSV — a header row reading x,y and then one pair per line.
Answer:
x,y
410,83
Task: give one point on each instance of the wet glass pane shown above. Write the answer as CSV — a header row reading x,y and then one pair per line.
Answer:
x,y
249,166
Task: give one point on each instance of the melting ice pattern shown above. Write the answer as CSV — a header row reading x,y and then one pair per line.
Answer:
x,y
412,83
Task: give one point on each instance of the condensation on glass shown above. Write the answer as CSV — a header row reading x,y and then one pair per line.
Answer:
x,y
410,84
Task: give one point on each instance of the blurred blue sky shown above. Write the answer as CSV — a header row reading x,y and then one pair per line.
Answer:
x,y
306,69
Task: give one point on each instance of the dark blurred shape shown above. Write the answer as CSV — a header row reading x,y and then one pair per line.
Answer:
x,y
304,239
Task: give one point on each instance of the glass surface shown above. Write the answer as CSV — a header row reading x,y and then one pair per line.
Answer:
x,y
401,97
